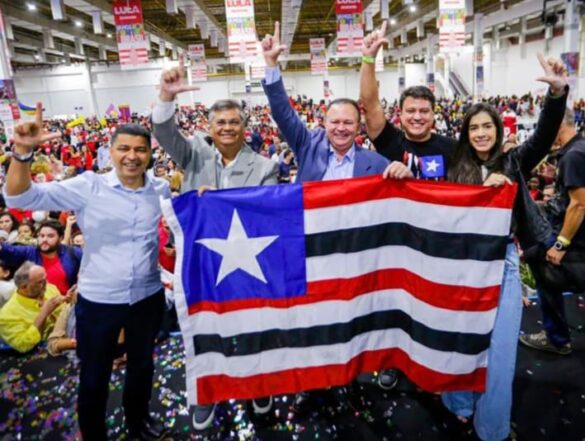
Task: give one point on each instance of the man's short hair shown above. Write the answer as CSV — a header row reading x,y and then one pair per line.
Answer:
x,y
347,101
223,105
418,92
52,223
21,276
131,129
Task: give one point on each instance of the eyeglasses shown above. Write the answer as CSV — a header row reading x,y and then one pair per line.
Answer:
x,y
225,123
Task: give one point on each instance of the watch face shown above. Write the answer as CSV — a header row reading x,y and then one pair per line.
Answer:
x,y
559,245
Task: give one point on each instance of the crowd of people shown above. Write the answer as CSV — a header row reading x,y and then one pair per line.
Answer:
x,y
80,201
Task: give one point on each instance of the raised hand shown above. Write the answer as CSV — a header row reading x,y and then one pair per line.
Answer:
x,y
172,82
374,40
555,74
271,47
28,135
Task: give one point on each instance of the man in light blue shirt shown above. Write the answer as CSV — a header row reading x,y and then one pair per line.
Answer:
x,y
119,281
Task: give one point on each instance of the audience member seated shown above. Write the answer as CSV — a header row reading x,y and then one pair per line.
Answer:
x,y
29,316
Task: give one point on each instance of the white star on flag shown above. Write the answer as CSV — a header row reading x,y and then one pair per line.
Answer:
x,y
432,166
238,251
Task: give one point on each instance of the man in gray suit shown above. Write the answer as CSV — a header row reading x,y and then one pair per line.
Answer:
x,y
227,163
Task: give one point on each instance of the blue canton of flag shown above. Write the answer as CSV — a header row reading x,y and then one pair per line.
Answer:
x,y
232,255
432,166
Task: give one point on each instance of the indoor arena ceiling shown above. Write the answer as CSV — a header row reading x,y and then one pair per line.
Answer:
x,y
35,37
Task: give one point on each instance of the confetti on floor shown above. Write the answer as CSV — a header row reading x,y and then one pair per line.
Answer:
x,y
38,394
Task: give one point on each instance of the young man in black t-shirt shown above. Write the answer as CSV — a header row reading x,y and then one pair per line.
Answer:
x,y
567,213
424,153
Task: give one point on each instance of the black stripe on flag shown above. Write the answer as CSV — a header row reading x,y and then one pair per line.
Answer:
x,y
256,342
432,243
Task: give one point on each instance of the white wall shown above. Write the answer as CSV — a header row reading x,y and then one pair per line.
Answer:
x,y
65,89
507,73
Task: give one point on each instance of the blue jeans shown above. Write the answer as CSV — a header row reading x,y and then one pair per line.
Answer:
x,y
492,408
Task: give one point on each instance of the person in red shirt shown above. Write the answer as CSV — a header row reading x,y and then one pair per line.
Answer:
x,y
60,262
533,189
87,158
20,215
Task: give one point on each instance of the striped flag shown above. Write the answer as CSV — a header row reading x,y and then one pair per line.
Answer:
x,y
287,288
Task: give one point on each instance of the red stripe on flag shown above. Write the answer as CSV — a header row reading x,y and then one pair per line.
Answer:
x,y
349,191
456,298
216,388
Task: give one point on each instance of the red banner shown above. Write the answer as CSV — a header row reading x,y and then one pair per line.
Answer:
x,y
133,44
348,7
127,12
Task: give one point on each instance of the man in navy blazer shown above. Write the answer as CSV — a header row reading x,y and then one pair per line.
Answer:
x,y
322,154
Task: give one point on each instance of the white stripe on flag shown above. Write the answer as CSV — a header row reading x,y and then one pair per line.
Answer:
x,y
333,312
442,218
341,353
471,273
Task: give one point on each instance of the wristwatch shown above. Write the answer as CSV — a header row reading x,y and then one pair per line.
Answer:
x,y
560,246
27,157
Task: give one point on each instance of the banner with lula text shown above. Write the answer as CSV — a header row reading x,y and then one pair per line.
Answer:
x,y
198,62
241,30
350,27
281,289
451,25
133,43
318,56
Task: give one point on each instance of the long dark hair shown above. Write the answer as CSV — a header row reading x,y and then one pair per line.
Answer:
x,y
466,166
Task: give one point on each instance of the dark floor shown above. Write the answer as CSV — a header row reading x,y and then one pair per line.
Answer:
x,y
37,399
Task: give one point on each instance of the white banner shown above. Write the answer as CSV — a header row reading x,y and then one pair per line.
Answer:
x,y
350,27
318,56
198,62
241,30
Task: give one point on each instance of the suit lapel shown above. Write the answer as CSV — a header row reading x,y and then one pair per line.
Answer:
x,y
322,160
362,165
243,168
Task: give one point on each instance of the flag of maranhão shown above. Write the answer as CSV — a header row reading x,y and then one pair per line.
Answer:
x,y
234,251
287,288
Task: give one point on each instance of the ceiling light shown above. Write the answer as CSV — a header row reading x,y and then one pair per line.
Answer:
x,y
412,8
31,6
392,21
78,23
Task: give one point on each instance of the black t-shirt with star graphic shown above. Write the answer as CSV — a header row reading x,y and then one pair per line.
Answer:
x,y
427,160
